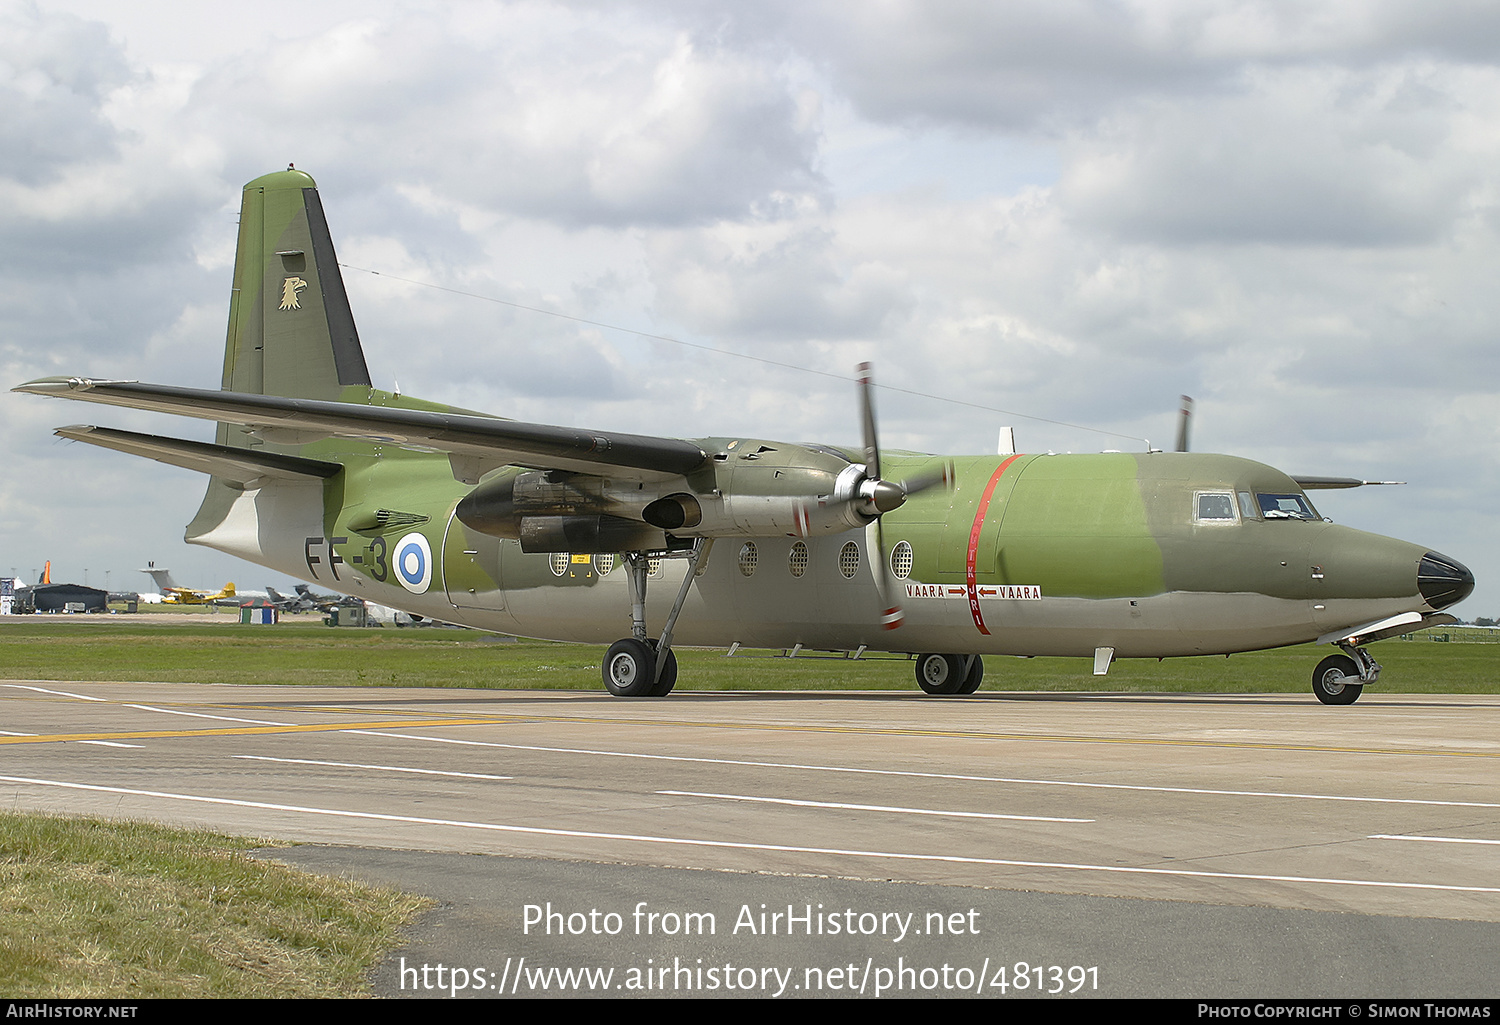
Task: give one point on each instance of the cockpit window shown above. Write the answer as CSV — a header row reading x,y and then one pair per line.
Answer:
x,y
1248,508
1215,507
1286,507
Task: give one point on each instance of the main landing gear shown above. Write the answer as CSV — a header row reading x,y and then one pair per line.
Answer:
x,y
1340,679
638,667
950,674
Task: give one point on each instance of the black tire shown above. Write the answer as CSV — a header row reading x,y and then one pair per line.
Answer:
x,y
940,674
628,668
1331,684
668,673
975,677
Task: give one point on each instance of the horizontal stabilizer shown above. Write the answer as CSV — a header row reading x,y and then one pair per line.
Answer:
x,y
237,465
495,442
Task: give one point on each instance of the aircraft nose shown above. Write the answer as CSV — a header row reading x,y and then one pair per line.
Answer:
x,y
1443,581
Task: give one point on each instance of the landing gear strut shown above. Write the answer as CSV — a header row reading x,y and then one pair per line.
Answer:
x,y
638,667
1340,679
950,674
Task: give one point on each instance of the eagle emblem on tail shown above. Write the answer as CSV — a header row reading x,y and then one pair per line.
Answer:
x,y
289,289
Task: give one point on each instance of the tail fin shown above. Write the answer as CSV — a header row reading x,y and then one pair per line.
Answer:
x,y
161,577
291,332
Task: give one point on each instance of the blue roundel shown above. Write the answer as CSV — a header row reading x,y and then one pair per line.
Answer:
x,y
414,563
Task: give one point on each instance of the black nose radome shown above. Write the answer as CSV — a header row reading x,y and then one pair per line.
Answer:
x,y
1443,581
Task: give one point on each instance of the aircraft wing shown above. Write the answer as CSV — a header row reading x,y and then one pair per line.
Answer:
x,y
474,443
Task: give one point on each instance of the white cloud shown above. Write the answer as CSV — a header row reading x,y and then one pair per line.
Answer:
x,y
1075,210
1298,156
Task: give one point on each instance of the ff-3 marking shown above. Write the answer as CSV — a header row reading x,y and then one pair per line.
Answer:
x,y
334,559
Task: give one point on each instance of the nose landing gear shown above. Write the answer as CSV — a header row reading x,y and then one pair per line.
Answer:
x,y
1340,679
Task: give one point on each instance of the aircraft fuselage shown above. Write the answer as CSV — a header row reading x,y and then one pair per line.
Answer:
x,y
1157,554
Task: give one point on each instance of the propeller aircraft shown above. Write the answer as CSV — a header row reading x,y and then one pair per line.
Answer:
x,y
583,535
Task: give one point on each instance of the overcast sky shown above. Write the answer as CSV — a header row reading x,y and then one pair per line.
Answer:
x,y
1065,209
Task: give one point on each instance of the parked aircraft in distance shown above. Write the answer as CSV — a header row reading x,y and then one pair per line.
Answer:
x,y
727,541
173,593
304,599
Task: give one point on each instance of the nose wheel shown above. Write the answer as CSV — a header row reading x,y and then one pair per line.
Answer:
x,y
1341,679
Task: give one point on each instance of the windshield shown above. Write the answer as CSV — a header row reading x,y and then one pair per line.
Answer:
x,y
1286,507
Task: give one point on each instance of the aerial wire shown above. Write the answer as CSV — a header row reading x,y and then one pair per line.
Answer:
x,y
737,355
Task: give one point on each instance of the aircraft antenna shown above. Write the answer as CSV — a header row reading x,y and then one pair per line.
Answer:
x,y
1184,420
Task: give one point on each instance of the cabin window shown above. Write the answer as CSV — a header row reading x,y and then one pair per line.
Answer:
x,y
748,558
1215,507
849,559
1286,507
797,561
901,559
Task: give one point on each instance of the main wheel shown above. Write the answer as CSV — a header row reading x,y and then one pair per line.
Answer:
x,y
940,674
668,672
629,668
975,677
1336,681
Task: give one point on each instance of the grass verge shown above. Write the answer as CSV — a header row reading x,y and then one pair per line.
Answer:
x,y
305,652
94,908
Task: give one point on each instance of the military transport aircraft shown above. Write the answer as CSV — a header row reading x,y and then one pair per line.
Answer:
x,y
562,533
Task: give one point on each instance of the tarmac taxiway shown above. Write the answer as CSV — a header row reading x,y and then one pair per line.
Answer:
x,y
1221,820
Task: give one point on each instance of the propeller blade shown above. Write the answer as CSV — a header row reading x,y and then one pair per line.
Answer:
x,y
931,479
892,615
867,414
882,495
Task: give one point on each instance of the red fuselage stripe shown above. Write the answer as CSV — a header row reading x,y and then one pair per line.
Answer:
x,y
984,507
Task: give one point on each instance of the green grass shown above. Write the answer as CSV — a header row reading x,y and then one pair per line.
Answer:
x,y
305,652
90,908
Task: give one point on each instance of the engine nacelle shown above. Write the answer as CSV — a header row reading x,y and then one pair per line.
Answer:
x,y
819,503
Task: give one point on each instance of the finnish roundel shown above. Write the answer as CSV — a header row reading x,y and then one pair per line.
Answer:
x,y
414,563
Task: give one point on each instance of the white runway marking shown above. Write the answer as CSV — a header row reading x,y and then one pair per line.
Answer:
x,y
735,845
383,768
204,715
937,775
1434,839
44,690
871,807
101,743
